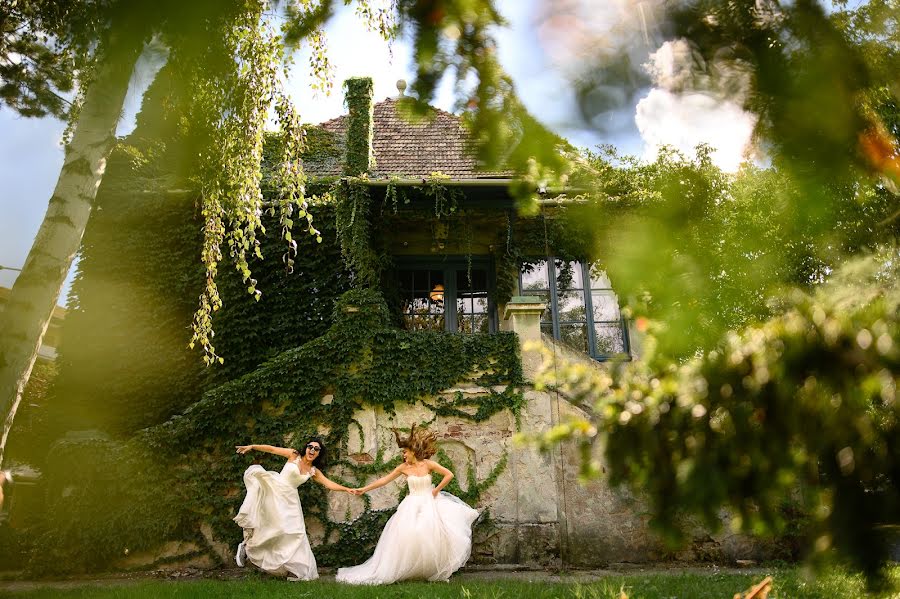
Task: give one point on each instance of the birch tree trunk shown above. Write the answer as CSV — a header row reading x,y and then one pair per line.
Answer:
x,y
36,291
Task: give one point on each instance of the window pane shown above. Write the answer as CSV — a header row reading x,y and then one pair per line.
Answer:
x,y
571,305
610,338
479,279
568,275
418,303
471,300
605,306
599,279
436,306
415,303
424,322
534,276
575,336
435,277
546,316
432,283
464,324
406,280
463,305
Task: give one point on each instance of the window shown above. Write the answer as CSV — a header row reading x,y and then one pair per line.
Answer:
x,y
583,311
443,297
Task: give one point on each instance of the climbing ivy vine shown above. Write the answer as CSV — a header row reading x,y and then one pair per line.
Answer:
x,y
360,362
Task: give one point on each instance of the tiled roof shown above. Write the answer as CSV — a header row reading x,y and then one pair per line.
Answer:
x,y
408,149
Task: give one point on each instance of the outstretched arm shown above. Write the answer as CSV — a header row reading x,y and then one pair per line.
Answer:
x,y
448,476
329,484
285,452
383,480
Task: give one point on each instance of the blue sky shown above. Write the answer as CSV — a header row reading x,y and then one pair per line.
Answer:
x,y
540,50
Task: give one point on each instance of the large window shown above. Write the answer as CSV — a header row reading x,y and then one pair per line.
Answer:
x,y
446,296
583,311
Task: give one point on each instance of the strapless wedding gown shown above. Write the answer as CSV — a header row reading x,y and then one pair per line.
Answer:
x,y
427,538
272,518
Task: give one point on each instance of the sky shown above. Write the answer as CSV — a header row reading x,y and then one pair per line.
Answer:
x,y
541,50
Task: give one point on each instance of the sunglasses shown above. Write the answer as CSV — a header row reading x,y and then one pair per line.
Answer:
x,y
313,448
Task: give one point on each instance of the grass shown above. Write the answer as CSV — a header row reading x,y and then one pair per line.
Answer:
x,y
790,583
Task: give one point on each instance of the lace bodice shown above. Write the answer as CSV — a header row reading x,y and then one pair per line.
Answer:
x,y
419,485
291,474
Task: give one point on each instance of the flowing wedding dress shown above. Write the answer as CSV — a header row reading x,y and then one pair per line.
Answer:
x,y
274,530
427,538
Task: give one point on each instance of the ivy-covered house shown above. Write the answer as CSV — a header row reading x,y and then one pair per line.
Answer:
x,y
415,308
447,238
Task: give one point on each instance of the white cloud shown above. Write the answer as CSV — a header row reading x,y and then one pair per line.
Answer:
x,y
674,66
692,104
684,121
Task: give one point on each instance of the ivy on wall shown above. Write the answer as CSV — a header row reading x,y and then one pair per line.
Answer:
x,y
358,238
170,425
562,232
184,472
125,338
360,122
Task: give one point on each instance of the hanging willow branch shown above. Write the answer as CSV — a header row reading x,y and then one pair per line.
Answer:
x,y
230,107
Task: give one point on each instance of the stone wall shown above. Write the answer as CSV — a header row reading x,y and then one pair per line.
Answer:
x,y
539,512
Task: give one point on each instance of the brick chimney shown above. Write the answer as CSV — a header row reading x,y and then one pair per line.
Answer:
x,y
360,158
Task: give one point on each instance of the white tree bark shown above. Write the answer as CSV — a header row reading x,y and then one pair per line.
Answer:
x,y
36,291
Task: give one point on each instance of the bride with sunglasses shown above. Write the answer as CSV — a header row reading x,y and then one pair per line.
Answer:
x,y
274,530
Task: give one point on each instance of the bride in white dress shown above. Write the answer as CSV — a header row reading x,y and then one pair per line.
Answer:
x,y
429,537
274,530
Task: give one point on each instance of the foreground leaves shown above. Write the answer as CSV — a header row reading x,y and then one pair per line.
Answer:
x,y
801,408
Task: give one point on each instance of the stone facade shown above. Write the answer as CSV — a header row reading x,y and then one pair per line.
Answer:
x,y
540,514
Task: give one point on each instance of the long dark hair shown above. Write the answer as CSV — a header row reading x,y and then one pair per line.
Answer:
x,y
321,461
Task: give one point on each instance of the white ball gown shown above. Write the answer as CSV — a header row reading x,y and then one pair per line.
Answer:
x,y
272,518
427,538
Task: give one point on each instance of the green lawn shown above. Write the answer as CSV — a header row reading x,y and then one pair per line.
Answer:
x,y
789,584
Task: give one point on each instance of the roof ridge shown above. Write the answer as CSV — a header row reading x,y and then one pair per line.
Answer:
x,y
393,99
412,147
396,99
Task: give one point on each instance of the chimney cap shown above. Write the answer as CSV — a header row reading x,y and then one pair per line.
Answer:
x,y
401,86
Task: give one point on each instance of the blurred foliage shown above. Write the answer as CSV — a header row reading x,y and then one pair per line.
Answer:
x,y
457,37
769,297
797,399
33,414
702,252
125,338
802,405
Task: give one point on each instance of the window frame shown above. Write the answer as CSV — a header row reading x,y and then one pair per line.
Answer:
x,y
449,265
587,291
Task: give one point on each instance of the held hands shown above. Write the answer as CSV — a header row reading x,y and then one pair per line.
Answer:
x,y
356,492
435,493
242,449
